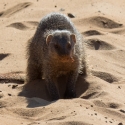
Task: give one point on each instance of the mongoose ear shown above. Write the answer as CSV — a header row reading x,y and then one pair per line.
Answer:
x,y
49,38
73,37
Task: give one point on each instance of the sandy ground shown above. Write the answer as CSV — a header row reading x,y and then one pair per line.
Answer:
x,y
101,96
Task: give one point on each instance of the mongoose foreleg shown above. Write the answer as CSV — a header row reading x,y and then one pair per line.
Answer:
x,y
52,89
70,88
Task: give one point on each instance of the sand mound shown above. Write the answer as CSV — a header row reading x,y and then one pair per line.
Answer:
x,y
91,33
34,23
14,77
14,9
103,22
18,25
105,76
24,25
121,31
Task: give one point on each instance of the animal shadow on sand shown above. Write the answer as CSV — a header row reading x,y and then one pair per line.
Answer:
x,y
38,89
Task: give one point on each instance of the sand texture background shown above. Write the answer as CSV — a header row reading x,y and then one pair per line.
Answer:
x,y
101,96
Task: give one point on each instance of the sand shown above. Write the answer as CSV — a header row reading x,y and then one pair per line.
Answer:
x,y
100,97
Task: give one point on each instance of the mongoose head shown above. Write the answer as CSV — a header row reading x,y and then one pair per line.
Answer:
x,y
61,45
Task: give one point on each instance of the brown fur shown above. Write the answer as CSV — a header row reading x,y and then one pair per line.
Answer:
x,y
56,49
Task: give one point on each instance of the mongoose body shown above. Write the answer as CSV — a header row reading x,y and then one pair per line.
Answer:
x,y
56,49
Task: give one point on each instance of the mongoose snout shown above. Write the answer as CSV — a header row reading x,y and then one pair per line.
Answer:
x,y
62,43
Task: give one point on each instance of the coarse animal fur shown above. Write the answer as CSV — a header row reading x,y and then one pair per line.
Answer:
x,y
57,48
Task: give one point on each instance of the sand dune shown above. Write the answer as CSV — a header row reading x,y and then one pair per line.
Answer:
x,y
100,96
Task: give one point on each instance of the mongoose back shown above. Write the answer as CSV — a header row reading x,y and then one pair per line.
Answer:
x,y
57,48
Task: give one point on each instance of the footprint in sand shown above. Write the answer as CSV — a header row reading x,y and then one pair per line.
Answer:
x,y
97,44
113,105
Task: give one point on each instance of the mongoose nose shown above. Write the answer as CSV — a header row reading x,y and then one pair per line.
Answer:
x,y
67,59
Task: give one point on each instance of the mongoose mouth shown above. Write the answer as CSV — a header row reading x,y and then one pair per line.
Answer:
x,y
67,59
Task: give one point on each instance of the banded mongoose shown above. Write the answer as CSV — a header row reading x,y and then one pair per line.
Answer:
x,y
57,48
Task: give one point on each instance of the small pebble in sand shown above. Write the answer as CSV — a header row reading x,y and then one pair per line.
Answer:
x,y
71,15
119,87
9,94
110,121
14,86
121,110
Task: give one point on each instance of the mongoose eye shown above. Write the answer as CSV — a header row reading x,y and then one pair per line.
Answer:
x,y
56,46
69,45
